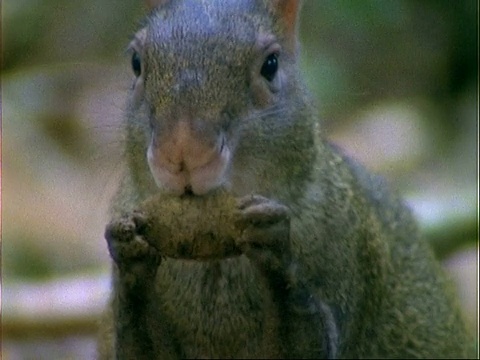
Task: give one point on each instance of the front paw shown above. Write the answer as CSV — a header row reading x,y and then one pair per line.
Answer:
x,y
133,255
265,237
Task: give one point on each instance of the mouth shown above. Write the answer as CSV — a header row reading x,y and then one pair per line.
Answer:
x,y
188,191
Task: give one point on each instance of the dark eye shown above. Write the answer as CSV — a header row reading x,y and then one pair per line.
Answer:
x,y
270,67
136,64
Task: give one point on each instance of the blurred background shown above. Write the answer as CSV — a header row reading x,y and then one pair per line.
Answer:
x,y
396,86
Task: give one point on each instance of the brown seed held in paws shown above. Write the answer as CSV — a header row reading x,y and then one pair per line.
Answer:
x,y
190,227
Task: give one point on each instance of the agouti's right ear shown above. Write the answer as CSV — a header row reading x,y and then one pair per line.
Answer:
x,y
287,11
152,4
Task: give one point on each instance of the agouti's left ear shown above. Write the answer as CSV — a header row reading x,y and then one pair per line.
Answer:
x,y
152,4
287,11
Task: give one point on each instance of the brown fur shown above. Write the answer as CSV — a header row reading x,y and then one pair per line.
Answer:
x,y
343,273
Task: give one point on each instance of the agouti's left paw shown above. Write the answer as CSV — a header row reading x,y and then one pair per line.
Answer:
x,y
266,232
134,256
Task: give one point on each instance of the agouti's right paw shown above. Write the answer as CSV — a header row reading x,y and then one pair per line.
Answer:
x,y
133,255
266,233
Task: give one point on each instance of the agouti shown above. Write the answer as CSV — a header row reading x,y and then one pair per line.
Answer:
x,y
238,231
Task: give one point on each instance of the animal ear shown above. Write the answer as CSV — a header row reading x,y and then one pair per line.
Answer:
x,y
152,4
287,12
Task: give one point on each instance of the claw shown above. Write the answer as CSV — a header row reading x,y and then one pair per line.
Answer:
x,y
258,210
140,221
251,200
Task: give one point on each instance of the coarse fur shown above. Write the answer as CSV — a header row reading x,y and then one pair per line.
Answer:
x,y
358,280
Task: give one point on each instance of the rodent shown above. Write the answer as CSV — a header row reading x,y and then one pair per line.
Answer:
x,y
327,261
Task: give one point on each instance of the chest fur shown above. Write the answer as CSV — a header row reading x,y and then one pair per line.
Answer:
x,y
216,309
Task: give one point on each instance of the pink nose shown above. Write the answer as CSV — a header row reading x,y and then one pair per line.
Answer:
x,y
184,150
186,160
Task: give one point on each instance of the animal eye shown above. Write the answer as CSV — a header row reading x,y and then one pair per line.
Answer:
x,y
136,64
270,67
